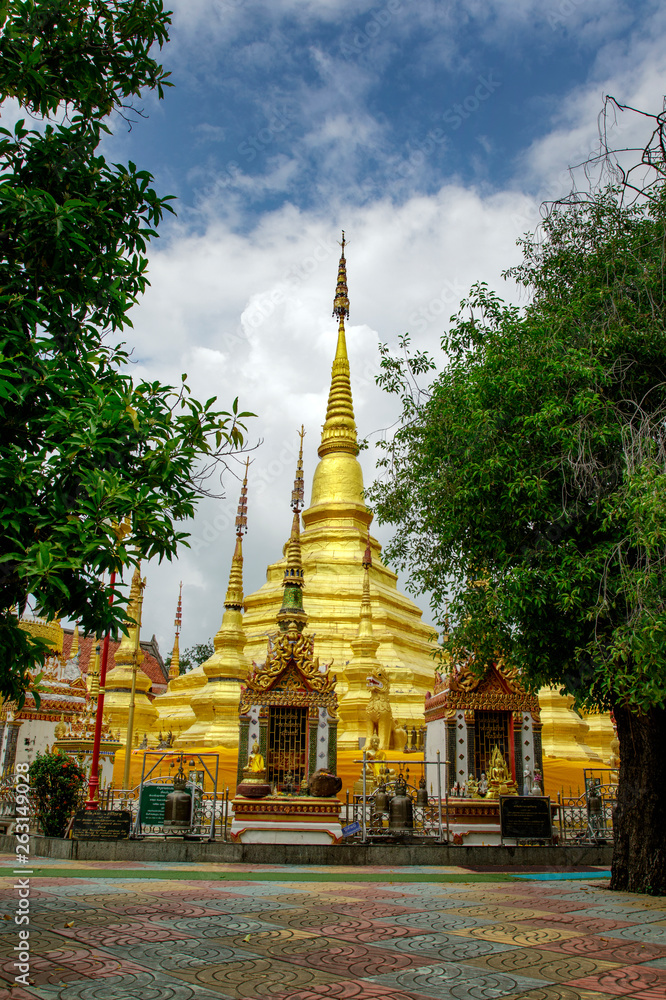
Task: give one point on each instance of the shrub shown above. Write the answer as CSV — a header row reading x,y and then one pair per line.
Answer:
x,y
56,781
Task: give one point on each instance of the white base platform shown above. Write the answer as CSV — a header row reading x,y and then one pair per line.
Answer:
x,y
285,833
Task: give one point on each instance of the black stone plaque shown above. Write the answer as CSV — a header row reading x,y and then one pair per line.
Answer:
x,y
102,824
525,817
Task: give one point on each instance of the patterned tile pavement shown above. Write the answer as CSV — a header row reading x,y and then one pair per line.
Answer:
x,y
124,931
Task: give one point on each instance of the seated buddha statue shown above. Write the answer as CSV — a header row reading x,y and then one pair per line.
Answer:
x,y
256,766
500,781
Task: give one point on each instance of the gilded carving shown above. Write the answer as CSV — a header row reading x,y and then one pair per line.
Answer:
x,y
290,675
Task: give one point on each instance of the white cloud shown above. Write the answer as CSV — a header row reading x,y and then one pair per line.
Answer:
x,y
250,315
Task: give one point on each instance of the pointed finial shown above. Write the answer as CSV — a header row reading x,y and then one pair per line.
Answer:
x,y
292,601
174,666
298,491
365,625
74,648
241,516
339,432
93,675
234,598
367,555
135,599
179,610
341,300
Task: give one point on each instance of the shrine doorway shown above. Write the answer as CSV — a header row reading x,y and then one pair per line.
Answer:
x,y
491,729
286,750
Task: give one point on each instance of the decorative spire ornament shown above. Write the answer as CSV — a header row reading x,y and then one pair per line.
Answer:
x,y
74,649
291,614
174,666
339,431
93,677
365,625
234,598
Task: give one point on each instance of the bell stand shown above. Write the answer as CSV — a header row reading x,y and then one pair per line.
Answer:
x,y
401,763
161,755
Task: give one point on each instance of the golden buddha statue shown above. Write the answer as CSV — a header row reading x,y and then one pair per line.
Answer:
x,y
255,764
500,781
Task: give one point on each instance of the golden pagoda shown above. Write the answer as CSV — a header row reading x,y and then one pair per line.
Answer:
x,y
215,702
333,544
118,685
363,666
174,711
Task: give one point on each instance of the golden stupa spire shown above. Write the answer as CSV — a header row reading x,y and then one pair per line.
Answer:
x,y
174,666
365,625
74,649
234,598
93,676
339,432
292,600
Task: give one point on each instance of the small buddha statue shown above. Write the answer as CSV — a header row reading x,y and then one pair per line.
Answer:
x,y
472,787
255,761
254,782
483,784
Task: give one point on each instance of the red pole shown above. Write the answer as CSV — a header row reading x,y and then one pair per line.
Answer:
x,y
93,781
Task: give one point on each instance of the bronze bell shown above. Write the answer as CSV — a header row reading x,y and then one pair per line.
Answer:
x,y
422,794
381,800
401,816
178,804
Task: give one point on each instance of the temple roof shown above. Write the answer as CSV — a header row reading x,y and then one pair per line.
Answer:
x,y
153,664
498,688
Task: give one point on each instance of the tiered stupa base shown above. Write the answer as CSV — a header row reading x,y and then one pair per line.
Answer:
x,y
284,819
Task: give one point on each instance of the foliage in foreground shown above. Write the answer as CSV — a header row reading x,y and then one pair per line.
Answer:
x,y
82,445
532,473
528,486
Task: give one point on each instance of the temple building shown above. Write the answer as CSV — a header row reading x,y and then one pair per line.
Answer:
x,y
333,544
217,683
65,716
287,744
381,654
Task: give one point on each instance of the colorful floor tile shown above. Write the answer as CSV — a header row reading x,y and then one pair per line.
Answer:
x,y
120,931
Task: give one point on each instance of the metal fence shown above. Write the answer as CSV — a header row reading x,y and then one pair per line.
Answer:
x,y
430,813
587,816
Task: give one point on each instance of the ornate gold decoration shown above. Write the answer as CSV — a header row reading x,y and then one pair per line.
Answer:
x,y
234,598
290,654
174,666
499,688
51,631
378,709
292,615
339,432
74,649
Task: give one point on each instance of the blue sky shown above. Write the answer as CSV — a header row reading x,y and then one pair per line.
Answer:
x,y
429,131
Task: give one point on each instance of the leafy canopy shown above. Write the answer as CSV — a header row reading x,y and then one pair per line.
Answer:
x,y
82,445
528,483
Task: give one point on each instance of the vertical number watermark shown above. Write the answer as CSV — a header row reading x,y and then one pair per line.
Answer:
x,y
22,885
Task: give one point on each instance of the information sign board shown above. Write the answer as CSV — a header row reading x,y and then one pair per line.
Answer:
x,y
525,817
101,824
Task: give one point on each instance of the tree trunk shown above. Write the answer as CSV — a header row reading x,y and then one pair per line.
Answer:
x,y
639,858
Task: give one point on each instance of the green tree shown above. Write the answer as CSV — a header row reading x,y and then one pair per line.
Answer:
x,y
56,781
528,485
81,444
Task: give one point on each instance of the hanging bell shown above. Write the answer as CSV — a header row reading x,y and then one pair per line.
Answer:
x,y
401,814
422,794
178,805
381,801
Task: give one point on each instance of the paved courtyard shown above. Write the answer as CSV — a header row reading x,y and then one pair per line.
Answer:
x,y
144,931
